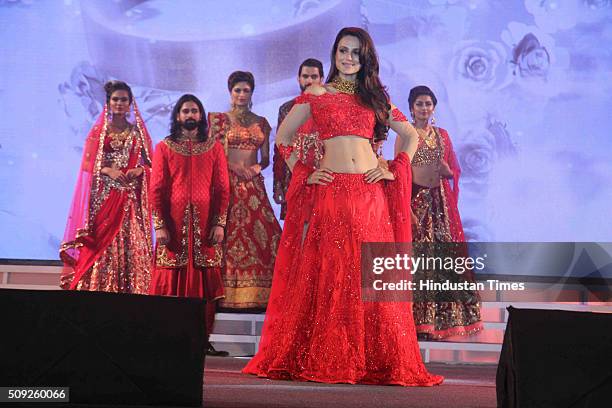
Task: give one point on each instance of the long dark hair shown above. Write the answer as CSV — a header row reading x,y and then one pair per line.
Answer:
x,y
372,93
175,126
114,85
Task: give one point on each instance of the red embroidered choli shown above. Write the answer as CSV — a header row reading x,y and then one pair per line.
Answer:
x,y
189,195
317,326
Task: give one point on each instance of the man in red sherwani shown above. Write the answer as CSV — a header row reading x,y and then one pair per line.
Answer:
x,y
189,200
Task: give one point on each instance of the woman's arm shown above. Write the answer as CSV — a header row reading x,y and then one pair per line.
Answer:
x,y
265,147
296,117
407,140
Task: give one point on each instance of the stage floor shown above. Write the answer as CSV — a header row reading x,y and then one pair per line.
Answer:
x,y
225,387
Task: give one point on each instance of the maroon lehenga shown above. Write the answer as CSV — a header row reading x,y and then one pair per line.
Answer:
x,y
439,233
252,232
317,326
107,243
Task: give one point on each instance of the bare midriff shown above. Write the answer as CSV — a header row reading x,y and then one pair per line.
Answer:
x,y
348,154
426,175
242,157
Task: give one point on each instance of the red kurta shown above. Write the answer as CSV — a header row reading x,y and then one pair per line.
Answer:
x,y
189,195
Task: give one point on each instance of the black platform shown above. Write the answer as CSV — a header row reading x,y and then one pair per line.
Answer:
x,y
553,358
108,348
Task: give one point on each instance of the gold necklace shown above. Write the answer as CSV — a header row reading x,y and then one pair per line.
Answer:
x,y
118,138
428,137
344,85
242,117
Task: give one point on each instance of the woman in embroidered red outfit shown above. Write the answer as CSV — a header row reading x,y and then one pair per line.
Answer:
x,y
252,230
189,198
437,225
107,243
317,326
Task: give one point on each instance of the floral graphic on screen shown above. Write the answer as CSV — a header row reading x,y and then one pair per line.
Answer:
x,y
530,58
481,63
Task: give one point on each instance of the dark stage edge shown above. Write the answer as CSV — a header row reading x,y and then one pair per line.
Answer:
x,y
464,386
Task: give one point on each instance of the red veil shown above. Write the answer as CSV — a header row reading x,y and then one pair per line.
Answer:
x,y
92,223
452,194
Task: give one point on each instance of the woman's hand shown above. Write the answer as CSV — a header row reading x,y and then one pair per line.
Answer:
x,y
134,173
413,218
321,176
378,173
256,169
115,174
162,236
216,234
445,170
241,171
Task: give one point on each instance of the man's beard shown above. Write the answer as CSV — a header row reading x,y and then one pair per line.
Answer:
x,y
303,88
190,124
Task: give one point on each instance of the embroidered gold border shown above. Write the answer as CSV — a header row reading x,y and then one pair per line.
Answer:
x,y
181,147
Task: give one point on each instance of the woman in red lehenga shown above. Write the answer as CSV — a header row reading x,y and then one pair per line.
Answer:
x,y
107,243
317,326
437,226
252,232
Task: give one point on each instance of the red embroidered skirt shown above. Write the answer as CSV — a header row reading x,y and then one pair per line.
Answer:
x,y
317,327
252,237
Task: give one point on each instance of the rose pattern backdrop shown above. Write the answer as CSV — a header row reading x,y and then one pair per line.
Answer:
x,y
524,89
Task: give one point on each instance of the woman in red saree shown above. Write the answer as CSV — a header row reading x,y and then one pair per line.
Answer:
x,y
437,226
107,243
252,232
317,326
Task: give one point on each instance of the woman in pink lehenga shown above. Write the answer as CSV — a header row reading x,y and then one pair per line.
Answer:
x,y
107,243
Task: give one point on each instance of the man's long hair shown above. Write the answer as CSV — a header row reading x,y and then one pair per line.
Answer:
x,y
175,126
370,90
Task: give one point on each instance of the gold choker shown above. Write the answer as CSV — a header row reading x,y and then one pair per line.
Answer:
x,y
344,85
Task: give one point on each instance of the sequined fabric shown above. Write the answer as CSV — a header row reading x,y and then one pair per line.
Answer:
x,y
339,115
125,264
247,137
439,314
308,148
398,116
426,154
252,239
317,327
190,194
280,170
